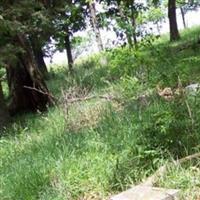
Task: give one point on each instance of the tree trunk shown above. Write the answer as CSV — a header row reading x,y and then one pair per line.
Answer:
x,y
39,56
69,51
158,27
26,85
174,33
133,22
183,17
124,18
4,116
95,25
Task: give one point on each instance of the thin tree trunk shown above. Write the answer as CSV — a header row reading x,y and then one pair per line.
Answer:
x,y
26,74
183,17
95,25
4,116
69,52
129,39
134,30
158,27
174,33
39,56
124,18
133,22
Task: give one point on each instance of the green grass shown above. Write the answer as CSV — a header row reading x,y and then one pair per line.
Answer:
x,y
53,163
102,147
185,178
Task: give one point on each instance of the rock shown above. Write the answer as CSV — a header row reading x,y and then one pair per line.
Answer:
x,y
141,192
192,89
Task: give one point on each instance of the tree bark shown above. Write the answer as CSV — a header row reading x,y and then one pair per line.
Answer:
x,y
183,17
95,25
39,56
174,33
69,51
4,116
133,22
24,73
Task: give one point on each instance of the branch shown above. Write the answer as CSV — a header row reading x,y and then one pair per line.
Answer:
x,y
108,98
40,91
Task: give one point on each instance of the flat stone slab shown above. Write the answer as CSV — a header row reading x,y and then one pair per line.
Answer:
x,y
147,193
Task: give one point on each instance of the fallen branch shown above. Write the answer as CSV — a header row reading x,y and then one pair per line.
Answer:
x,y
162,170
74,100
40,91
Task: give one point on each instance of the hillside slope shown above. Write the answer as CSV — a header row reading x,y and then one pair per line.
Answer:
x,y
110,128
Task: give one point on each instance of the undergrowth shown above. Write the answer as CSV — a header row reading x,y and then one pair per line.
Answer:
x,y
99,147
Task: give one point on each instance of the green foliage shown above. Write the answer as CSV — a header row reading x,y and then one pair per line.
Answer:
x,y
155,14
121,62
171,124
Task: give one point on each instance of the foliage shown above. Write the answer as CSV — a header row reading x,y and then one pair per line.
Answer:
x,y
70,18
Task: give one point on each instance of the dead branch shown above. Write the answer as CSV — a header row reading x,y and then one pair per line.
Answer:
x,y
40,91
74,100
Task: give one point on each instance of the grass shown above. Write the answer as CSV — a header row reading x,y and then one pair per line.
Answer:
x,y
185,177
103,147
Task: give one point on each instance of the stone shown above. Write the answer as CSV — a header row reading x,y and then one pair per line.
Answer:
x,y
141,192
192,88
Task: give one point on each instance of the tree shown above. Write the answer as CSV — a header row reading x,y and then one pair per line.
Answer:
x,y
27,88
185,6
174,33
39,55
92,8
125,15
68,48
26,85
155,14
183,16
69,18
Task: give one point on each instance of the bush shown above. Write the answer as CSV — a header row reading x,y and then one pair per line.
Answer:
x,y
168,125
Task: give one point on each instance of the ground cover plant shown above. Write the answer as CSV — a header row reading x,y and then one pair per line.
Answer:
x,y
92,149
